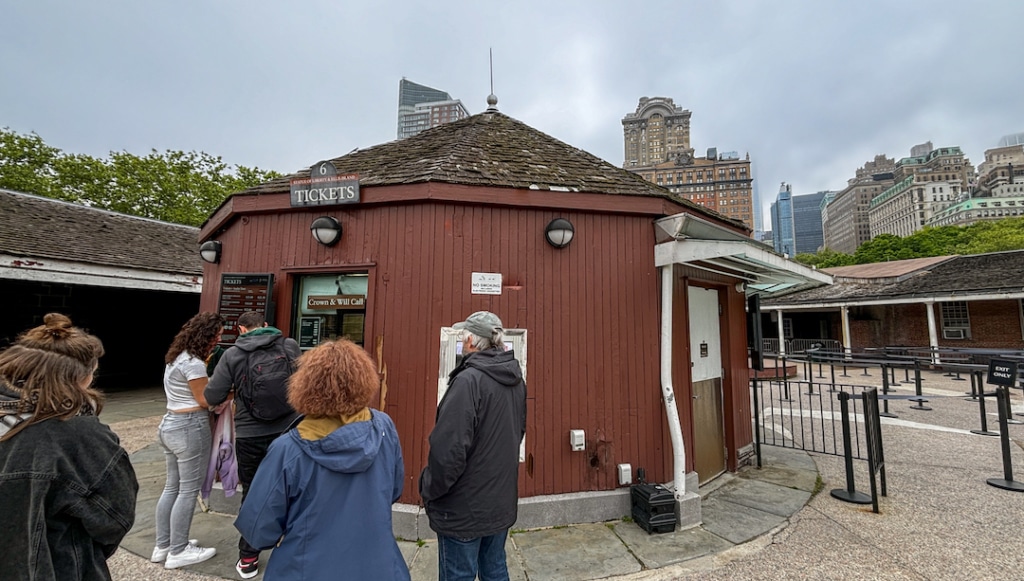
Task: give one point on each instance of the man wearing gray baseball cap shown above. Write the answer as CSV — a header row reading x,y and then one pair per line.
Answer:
x,y
470,485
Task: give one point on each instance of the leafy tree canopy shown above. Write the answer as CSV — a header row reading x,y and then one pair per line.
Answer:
x,y
173,186
977,238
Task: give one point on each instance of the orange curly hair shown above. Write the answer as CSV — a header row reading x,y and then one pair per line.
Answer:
x,y
337,378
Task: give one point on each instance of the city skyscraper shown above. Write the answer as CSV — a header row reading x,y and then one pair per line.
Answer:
x,y
783,239
807,229
421,107
796,222
656,140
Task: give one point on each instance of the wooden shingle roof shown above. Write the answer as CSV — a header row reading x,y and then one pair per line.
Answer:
x,y
35,228
491,149
950,278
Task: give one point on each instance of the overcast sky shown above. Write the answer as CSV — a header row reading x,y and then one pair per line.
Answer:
x,y
810,88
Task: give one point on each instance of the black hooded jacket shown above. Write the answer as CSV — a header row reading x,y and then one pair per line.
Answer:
x,y
470,486
231,370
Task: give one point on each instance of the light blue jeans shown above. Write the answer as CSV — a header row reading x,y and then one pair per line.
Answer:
x,y
186,440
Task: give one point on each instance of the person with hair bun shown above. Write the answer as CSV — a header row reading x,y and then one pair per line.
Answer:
x,y
322,496
185,436
67,485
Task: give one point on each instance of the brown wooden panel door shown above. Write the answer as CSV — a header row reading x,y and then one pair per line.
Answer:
x,y
709,447
706,367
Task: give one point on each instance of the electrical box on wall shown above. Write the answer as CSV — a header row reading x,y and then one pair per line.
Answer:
x,y
625,474
577,440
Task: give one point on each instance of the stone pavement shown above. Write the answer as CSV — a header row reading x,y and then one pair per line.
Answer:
x,y
736,508
939,521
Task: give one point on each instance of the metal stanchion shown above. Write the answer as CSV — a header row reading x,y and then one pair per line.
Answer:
x,y
974,389
984,431
848,494
885,413
757,422
917,390
785,381
1006,482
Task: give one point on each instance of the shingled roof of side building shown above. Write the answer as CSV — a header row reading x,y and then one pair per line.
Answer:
x,y
494,150
35,228
991,274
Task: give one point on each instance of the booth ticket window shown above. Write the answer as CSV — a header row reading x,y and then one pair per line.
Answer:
x,y
331,307
451,356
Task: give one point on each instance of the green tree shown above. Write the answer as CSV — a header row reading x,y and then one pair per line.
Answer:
x,y
997,236
174,186
824,258
26,163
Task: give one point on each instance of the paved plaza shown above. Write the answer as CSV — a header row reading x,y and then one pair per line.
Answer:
x,y
940,519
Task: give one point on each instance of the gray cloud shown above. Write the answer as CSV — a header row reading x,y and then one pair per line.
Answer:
x,y
811,89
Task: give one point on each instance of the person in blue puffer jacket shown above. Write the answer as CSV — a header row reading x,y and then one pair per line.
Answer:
x,y
322,497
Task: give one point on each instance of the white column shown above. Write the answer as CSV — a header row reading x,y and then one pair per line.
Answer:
x,y
933,334
845,313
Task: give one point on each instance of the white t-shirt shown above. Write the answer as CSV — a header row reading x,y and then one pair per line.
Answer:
x,y
176,377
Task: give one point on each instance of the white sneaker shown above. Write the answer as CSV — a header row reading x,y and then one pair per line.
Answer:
x,y
191,555
159,554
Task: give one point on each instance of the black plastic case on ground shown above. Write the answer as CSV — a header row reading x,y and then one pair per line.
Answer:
x,y
653,507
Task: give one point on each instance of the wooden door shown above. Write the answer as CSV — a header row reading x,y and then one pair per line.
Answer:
x,y
706,366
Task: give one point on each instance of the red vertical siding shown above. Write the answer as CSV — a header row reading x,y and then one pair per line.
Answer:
x,y
591,311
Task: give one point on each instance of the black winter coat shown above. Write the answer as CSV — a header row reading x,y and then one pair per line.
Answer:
x,y
470,486
68,493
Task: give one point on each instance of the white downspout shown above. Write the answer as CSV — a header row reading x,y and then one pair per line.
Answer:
x,y
675,429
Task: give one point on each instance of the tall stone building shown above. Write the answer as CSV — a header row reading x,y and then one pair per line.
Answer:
x,y
658,131
999,191
656,141
925,184
846,224
421,107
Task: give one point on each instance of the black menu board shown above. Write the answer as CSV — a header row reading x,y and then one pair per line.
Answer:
x,y
240,293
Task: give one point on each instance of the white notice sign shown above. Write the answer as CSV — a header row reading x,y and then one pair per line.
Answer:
x,y
486,283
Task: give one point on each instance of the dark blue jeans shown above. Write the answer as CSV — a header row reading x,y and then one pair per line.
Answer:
x,y
462,559
249,452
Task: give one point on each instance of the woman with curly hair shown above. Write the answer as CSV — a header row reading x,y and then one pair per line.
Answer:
x,y
185,436
68,487
322,496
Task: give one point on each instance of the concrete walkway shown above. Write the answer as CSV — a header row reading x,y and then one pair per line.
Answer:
x,y
939,521
736,508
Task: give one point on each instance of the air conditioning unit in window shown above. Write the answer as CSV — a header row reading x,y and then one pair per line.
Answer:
x,y
954,333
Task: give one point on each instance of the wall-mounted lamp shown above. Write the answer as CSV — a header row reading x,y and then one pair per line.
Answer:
x,y
326,230
559,232
210,251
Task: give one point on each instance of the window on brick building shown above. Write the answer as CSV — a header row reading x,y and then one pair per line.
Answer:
x,y
956,323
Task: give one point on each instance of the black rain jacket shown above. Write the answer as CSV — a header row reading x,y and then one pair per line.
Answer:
x,y
470,485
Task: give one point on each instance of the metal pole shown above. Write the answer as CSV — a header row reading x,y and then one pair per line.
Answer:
x,y
849,494
757,422
981,406
1006,482
917,389
885,401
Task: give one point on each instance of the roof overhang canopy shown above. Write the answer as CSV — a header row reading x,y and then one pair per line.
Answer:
x,y
688,240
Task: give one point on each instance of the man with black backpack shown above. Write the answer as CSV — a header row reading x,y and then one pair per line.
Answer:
x,y
256,370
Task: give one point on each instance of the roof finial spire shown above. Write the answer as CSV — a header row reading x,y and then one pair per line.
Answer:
x,y
492,99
